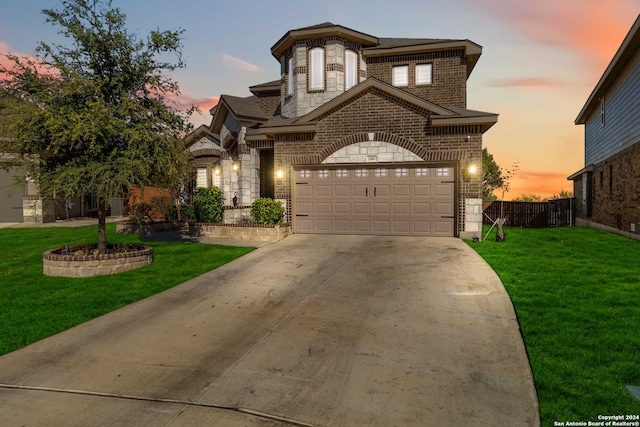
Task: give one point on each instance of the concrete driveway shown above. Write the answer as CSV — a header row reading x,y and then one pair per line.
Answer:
x,y
312,330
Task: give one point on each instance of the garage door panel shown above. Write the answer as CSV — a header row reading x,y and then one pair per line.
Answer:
x,y
323,225
381,208
422,190
342,190
401,227
361,226
304,190
422,208
304,225
443,227
423,227
361,208
394,200
342,208
443,190
342,226
401,208
442,209
383,227
324,208
401,190
323,190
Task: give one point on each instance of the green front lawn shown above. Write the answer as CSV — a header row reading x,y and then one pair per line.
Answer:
x,y
576,292
33,306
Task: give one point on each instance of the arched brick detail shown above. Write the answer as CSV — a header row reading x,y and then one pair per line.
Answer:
x,y
398,140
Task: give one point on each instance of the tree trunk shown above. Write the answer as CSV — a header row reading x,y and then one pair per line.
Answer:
x,y
102,226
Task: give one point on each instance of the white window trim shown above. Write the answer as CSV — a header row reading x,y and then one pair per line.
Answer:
x,y
351,69
400,75
424,74
316,68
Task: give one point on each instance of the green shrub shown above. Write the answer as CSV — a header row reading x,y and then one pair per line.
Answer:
x,y
267,211
187,213
207,204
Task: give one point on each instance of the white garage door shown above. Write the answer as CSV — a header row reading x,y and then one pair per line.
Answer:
x,y
376,200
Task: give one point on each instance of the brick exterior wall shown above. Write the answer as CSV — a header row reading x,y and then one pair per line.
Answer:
x,y
269,102
449,81
391,120
616,191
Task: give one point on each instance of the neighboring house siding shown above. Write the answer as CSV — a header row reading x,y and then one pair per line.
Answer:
x,y
616,191
11,196
622,118
449,87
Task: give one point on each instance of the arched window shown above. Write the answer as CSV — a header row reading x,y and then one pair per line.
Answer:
x,y
351,69
316,68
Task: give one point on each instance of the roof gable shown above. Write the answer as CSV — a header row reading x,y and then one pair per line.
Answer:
x,y
367,85
629,47
245,110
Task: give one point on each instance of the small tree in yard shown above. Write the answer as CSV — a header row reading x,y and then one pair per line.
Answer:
x,y
97,116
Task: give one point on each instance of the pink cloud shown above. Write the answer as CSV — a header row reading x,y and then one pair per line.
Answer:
x,y
592,28
239,63
522,82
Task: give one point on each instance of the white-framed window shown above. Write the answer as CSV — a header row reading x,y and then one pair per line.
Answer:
x,y
380,173
422,172
401,172
201,178
361,173
304,174
351,69
290,76
316,68
400,75
342,173
442,172
323,174
424,74
602,111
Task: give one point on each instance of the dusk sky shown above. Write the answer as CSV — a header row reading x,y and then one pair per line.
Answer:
x,y
540,59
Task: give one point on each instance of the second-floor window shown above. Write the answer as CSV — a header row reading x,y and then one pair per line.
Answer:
x,y
351,69
424,74
400,75
316,68
290,76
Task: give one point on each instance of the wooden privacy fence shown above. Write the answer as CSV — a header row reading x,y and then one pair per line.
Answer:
x,y
554,213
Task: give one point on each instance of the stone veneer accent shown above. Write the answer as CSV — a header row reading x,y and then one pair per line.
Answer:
x,y
258,233
372,151
94,265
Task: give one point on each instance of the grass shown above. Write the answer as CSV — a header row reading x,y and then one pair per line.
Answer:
x,y
34,306
576,292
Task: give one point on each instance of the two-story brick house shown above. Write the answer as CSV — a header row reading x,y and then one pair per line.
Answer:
x,y
607,189
359,135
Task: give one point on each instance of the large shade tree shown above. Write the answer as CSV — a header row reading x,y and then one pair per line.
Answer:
x,y
100,114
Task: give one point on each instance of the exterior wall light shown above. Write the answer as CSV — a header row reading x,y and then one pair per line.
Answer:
x,y
216,171
279,174
235,167
473,169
